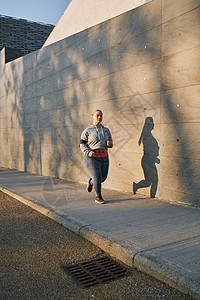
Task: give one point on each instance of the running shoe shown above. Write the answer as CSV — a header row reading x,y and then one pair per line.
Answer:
x,y
89,185
99,200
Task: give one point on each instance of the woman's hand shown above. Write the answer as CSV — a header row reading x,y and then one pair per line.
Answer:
x,y
108,143
91,154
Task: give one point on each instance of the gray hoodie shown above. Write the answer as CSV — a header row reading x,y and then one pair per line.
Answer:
x,y
95,137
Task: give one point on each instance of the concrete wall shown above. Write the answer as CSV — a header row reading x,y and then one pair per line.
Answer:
x,y
82,14
142,63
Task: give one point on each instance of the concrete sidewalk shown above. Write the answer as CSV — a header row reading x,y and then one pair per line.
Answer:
x,y
157,237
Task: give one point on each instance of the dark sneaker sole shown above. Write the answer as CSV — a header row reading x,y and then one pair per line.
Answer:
x,y
89,186
99,202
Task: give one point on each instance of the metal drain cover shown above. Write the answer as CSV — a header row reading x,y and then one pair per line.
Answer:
x,y
96,271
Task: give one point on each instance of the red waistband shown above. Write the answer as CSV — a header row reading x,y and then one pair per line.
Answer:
x,y
100,154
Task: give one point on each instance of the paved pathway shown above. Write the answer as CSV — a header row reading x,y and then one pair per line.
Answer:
x,y
158,237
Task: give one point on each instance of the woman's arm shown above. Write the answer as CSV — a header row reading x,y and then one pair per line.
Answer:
x,y
109,138
84,143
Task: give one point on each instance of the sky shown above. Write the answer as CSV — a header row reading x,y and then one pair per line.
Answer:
x,y
44,11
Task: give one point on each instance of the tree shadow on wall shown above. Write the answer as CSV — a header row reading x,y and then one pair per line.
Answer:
x,y
46,110
185,162
149,159
38,116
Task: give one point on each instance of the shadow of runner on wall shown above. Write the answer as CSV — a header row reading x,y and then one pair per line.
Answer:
x,y
149,159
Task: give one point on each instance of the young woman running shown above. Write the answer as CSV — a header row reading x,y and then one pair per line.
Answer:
x,y
95,140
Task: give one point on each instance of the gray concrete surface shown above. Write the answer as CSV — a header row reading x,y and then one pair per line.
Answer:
x,y
47,247
144,62
80,15
158,237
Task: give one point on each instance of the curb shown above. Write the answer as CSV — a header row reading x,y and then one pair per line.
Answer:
x,y
85,230
145,261
166,272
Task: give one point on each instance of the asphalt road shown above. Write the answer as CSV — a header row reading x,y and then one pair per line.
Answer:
x,y
34,249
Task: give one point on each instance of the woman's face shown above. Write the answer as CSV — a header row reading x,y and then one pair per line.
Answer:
x,y
97,118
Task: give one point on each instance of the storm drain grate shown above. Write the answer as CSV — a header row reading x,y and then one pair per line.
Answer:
x,y
96,271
